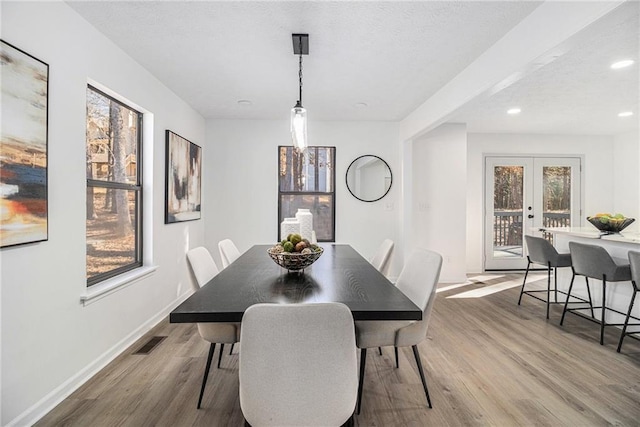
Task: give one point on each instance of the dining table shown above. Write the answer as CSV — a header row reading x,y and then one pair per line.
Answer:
x,y
341,274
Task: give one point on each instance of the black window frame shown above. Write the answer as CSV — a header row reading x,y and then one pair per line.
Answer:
x,y
137,187
311,193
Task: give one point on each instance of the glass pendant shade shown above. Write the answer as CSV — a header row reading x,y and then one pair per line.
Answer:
x,y
299,127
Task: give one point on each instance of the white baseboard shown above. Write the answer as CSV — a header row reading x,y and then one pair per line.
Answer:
x,y
51,400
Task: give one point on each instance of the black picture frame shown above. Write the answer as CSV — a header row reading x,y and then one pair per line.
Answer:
x,y
24,146
183,184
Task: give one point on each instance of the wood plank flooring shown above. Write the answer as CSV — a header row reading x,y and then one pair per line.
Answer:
x,y
488,362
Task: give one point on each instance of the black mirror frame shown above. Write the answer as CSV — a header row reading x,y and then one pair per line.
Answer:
x,y
346,179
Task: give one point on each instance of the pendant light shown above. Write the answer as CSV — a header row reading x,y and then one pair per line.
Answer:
x,y
298,112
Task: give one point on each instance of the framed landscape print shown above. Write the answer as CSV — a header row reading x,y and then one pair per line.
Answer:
x,y
24,85
183,186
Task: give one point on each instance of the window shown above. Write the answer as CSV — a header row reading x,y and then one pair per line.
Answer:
x,y
307,180
114,187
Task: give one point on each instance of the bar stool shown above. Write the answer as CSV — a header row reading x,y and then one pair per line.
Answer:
x,y
634,263
543,252
594,262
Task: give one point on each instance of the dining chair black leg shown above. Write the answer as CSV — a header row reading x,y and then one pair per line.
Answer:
x,y
212,348
396,351
363,361
231,351
626,320
380,350
589,294
604,308
525,280
548,288
555,283
424,381
566,303
220,354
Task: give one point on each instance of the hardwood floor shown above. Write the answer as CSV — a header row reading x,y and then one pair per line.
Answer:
x,y
488,361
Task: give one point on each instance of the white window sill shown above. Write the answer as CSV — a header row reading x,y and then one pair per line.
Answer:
x,y
114,284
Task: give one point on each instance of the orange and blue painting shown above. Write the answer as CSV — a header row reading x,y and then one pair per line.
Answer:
x,y
23,147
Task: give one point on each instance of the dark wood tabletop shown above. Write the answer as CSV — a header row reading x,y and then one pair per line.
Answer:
x,y
340,275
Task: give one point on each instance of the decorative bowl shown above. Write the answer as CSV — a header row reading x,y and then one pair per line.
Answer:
x,y
294,261
611,225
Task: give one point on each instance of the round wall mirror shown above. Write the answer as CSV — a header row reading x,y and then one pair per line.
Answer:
x,y
369,178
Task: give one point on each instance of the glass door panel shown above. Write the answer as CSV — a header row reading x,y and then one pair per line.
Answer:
x,y
508,197
508,201
556,197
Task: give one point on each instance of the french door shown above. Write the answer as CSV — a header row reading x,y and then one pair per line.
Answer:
x,y
523,194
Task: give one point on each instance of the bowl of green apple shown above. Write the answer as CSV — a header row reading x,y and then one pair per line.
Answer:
x,y
608,223
295,253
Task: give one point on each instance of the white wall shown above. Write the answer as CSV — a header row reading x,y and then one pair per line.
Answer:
x,y
597,172
625,180
439,171
245,208
50,341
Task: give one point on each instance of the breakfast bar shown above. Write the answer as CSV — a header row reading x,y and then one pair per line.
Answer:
x,y
617,245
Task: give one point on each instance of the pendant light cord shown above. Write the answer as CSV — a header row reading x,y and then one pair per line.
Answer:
x,y
300,72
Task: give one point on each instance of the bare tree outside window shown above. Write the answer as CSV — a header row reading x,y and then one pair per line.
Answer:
x,y
307,180
114,187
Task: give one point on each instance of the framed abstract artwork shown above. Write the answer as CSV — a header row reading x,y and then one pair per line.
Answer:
x,y
183,174
24,101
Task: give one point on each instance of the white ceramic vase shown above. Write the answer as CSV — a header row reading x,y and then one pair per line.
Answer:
x,y
305,218
289,226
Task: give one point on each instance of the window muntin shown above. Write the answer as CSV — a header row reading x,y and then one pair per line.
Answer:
x,y
114,187
307,180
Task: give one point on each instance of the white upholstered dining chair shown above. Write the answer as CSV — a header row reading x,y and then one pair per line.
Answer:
x,y
228,252
204,269
298,365
417,281
380,261
381,257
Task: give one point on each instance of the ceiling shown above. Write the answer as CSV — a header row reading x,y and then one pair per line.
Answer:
x,y
391,56
578,92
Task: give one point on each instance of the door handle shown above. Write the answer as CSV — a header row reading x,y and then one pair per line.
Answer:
x,y
529,216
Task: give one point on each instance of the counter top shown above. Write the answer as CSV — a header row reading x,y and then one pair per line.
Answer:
x,y
593,233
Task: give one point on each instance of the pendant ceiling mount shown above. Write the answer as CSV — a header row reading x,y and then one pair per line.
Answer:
x,y
300,44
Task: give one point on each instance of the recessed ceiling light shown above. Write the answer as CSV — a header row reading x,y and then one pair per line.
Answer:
x,y
625,114
245,102
514,111
360,105
622,64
